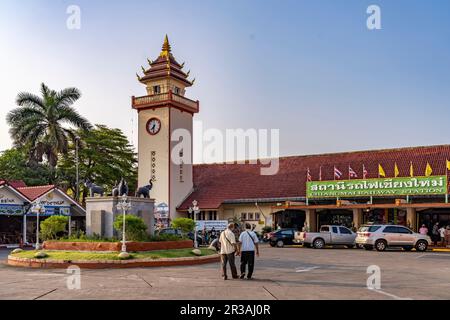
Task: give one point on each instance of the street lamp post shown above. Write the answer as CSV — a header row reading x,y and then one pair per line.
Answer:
x,y
77,165
37,208
124,205
195,210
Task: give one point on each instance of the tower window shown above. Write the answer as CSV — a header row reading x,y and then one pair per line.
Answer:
x,y
156,89
176,90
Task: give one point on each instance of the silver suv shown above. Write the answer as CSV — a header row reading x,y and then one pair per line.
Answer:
x,y
384,236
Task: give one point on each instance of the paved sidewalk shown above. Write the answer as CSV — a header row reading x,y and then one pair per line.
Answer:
x,y
281,273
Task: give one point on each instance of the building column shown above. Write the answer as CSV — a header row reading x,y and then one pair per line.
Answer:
x,y
311,219
70,226
24,229
357,218
411,218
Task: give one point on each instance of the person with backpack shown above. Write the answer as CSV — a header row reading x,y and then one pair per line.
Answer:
x,y
248,243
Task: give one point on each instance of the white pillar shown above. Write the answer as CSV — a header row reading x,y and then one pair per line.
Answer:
x,y
311,219
70,226
357,218
24,235
411,218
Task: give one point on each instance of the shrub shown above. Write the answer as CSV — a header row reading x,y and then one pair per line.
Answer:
x,y
267,229
165,237
186,225
135,227
53,227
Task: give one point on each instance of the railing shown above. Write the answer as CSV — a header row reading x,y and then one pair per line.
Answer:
x,y
151,99
168,96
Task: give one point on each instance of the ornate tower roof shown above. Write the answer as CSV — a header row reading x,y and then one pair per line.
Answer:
x,y
165,66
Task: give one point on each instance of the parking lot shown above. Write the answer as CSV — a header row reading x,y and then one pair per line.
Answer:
x,y
281,273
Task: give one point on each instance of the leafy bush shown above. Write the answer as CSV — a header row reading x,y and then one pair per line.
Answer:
x,y
186,225
80,236
165,237
267,229
53,227
135,227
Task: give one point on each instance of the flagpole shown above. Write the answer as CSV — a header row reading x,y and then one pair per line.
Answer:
x,y
446,173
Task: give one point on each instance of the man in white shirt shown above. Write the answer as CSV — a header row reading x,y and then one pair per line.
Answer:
x,y
228,249
248,241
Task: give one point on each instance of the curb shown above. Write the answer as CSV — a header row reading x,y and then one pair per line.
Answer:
x,y
441,250
107,264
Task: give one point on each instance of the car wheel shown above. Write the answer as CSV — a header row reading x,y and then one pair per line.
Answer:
x,y
368,247
408,248
421,246
272,244
280,244
318,243
380,245
360,246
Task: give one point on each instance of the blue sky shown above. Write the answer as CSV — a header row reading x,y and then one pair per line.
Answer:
x,y
310,68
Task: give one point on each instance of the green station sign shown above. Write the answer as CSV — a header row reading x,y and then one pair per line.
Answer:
x,y
434,185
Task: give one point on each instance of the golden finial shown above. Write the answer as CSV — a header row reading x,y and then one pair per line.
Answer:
x,y
182,65
138,77
188,73
193,81
143,69
166,49
149,61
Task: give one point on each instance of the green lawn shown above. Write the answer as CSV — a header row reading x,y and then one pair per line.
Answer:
x,y
83,255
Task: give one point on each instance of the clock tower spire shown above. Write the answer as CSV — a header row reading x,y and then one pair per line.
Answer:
x,y
164,109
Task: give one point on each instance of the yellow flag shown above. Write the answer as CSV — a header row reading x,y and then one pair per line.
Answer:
x,y
411,170
448,165
381,172
428,170
396,171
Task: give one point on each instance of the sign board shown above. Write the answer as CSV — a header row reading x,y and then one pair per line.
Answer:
x,y
161,211
218,225
435,185
11,210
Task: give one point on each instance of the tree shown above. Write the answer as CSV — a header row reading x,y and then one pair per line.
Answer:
x,y
14,166
105,156
38,123
135,227
53,226
186,225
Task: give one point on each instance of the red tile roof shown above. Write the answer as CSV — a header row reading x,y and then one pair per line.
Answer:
x,y
33,193
14,184
214,184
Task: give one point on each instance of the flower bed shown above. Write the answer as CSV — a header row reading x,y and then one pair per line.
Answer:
x,y
98,260
116,246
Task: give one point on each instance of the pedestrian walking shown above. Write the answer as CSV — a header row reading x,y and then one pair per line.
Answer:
x,y
213,233
228,250
435,233
248,242
442,235
423,230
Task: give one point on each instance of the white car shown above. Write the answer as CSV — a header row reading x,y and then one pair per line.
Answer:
x,y
382,237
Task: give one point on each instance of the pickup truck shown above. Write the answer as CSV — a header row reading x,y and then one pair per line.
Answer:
x,y
328,235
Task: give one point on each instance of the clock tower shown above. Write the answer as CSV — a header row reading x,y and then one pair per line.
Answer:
x,y
161,112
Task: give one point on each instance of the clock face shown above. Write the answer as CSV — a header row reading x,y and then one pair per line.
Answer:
x,y
153,126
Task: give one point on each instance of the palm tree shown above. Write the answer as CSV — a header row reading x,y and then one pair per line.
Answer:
x,y
38,123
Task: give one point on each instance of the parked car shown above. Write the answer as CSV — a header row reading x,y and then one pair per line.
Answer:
x,y
382,237
282,237
328,235
178,232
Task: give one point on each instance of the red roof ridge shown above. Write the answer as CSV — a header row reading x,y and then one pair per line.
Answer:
x,y
37,187
328,154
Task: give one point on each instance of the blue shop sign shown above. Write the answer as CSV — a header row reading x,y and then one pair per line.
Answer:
x,y
53,211
11,210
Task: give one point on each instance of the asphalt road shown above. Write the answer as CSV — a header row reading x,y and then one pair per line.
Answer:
x,y
286,273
